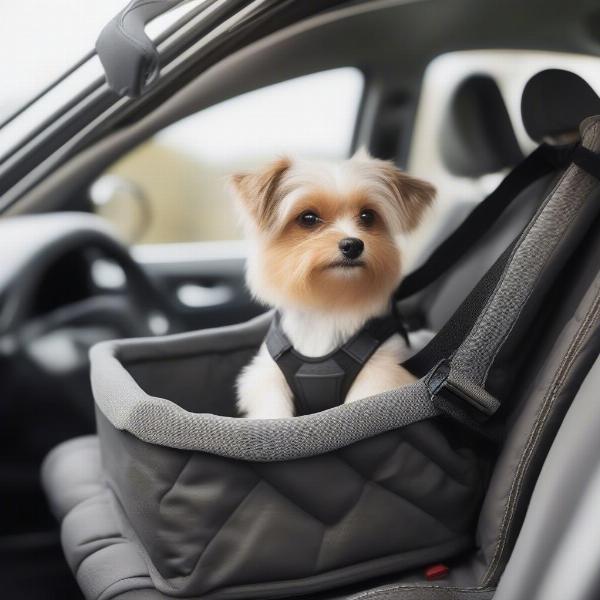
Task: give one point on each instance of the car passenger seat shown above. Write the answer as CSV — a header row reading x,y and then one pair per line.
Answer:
x,y
548,381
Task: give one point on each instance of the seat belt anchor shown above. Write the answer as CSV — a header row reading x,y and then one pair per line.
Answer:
x,y
458,396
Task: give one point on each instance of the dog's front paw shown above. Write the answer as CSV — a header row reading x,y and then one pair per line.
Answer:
x,y
262,390
270,410
257,403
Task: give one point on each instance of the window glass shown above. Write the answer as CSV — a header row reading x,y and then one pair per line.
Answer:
x,y
39,41
34,65
173,187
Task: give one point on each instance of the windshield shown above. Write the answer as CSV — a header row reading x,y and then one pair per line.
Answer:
x,y
41,40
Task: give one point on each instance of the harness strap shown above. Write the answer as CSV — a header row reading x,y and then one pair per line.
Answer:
x,y
542,161
323,382
457,384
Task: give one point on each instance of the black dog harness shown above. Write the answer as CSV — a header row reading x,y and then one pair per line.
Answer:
x,y
323,382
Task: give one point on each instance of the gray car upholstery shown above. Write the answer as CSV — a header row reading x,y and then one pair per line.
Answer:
x,y
556,370
73,472
545,565
164,507
191,516
304,488
553,104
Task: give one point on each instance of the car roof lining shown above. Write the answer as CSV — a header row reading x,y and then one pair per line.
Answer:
x,y
297,50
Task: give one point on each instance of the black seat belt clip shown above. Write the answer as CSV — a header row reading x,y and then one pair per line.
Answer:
x,y
458,397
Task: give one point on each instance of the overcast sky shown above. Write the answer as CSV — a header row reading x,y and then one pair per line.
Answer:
x,y
40,39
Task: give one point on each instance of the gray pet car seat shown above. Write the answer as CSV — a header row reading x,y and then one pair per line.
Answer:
x,y
188,501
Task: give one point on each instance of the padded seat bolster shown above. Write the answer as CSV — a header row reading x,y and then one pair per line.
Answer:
x,y
169,516
71,473
105,563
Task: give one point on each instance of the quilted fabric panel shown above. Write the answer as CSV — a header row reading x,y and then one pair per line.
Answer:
x,y
268,538
423,468
199,489
212,523
325,488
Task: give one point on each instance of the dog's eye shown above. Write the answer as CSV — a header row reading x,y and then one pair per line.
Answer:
x,y
367,217
309,219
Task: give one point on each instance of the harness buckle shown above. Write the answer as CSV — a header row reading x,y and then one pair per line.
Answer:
x,y
458,397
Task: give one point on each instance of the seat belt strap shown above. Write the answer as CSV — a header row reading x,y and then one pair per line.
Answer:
x,y
587,160
544,160
459,398
457,383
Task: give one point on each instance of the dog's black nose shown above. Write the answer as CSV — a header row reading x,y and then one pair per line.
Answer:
x,y
351,247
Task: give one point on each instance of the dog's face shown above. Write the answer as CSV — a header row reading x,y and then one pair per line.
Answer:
x,y
325,234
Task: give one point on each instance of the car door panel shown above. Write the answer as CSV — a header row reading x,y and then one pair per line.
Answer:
x,y
204,282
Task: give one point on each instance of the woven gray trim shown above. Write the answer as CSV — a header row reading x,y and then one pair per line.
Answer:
x,y
530,255
160,421
424,592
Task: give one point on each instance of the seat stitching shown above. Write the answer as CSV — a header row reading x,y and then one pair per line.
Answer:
x,y
399,495
110,541
535,432
280,492
399,587
381,461
389,456
427,455
317,560
324,527
176,479
110,585
222,526
553,389
535,435
327,528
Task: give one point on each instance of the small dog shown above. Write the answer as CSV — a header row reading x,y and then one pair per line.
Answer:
x,y
326,253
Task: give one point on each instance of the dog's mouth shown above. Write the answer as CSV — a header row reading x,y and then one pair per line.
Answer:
x,y
347,263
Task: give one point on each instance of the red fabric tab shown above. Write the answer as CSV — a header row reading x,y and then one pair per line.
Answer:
x,y
435,572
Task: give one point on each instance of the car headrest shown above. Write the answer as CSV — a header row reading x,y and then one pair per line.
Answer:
x,y
477,135
554,103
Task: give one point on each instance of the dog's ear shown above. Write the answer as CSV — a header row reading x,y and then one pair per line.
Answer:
x,y
414,196
258,193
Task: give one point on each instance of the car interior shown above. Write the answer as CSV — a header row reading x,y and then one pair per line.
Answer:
x,y
458,93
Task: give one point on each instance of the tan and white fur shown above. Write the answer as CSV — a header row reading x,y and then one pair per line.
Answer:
x,y
296,215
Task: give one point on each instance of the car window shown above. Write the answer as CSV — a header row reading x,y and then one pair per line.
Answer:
x,y
36,48
57,66
452,144
173,187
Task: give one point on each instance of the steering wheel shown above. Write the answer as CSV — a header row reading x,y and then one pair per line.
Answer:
x,y
52,312
32,247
